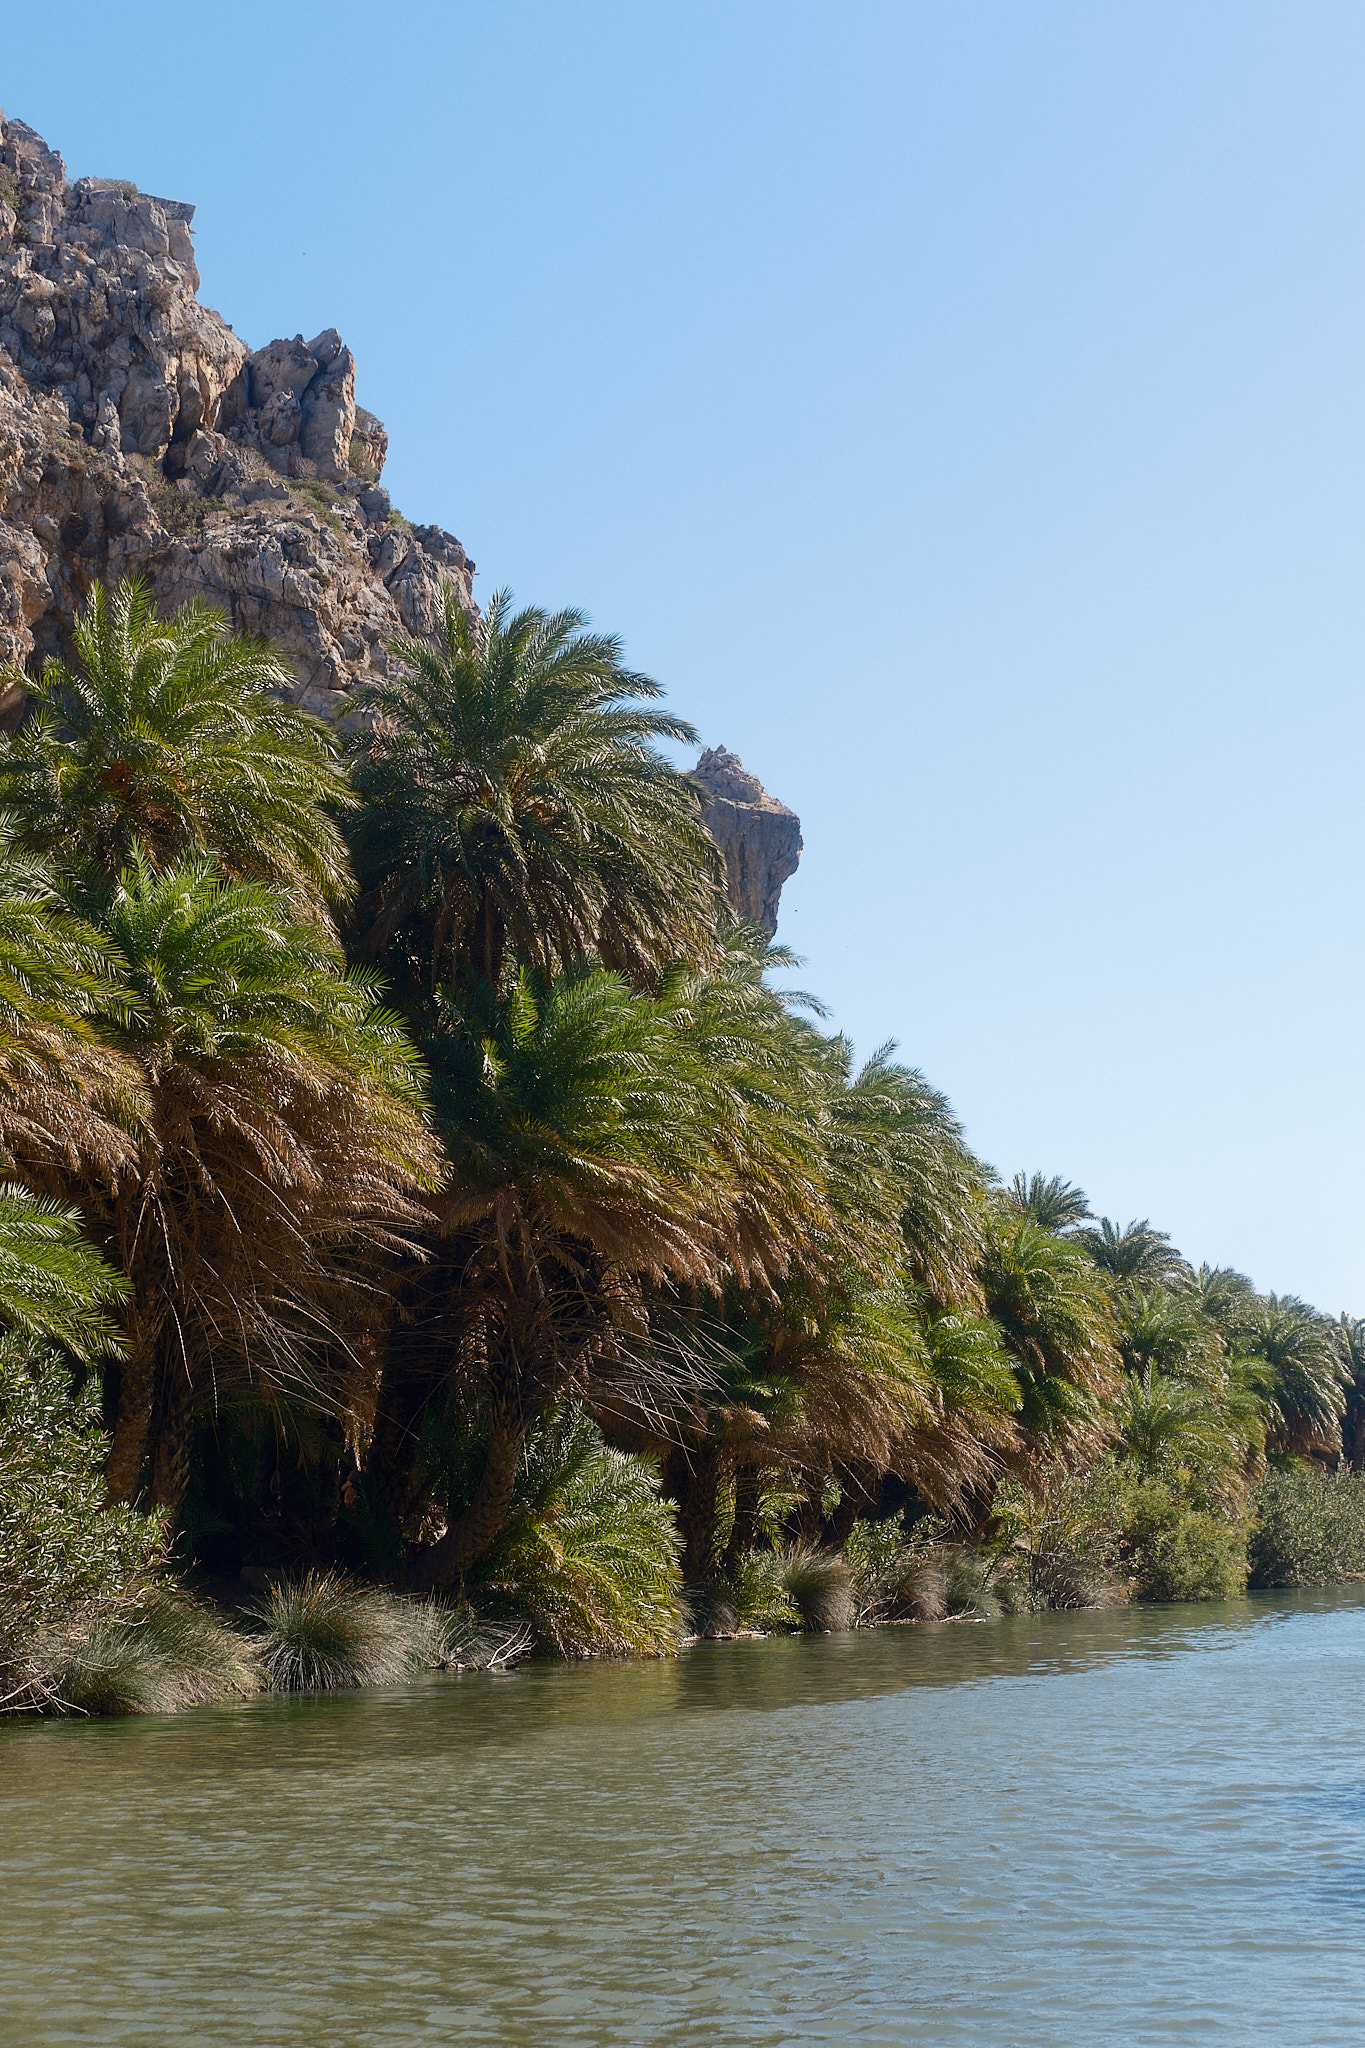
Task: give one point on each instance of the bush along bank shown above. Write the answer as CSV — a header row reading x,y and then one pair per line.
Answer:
x,y
431,1232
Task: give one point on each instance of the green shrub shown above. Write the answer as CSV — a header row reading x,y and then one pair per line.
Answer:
x,y
879,1558
1178,1551
589,1558
65,1556
1309,1528
58,1538
1059,1545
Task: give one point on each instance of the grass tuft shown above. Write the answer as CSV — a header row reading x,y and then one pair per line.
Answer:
x,y
325,1633
169,1653
820,1587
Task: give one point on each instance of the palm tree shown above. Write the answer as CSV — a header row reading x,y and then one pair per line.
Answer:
x,y
1057,1324
1310,1373
602,1152
1134,1252
1298,1363
889,1388
1051,1202
832,1372
1169,1333
863,1180
68,1102
1349,1332
514,797
1167,1424
174,734
1184,1392
894,1139
283,1144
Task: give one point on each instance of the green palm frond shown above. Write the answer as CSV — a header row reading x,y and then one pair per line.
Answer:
x,y
1309,1374
54,1285
1051,1202
1057,1323
176,734
285,1148
1166,1423
514,796
589,1555
1134,1252
1170,1333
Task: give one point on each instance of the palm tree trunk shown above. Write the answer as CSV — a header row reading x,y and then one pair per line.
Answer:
x,y
132,1423
391,1476
744,1529
174,1443
1353,1432
692,1479
447,1561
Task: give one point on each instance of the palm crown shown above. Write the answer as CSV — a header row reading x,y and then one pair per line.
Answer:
x,y
284,1128
514,796
174,734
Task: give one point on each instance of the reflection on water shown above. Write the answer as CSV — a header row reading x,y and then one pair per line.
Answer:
x,y
1126,1827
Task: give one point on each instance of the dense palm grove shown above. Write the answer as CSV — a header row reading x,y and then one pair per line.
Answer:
x,y
427,1209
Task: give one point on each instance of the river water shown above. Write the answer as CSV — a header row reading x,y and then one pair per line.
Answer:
x,y
1139,1826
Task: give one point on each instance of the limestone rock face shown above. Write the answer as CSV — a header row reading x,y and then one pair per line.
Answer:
x,y
140,436
759,837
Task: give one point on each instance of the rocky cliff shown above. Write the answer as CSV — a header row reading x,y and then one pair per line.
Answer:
x,y
139,436
760,838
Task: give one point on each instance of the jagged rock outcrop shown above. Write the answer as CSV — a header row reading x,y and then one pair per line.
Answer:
x,y
140,436
759,837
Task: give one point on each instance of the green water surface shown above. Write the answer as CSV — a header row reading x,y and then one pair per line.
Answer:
x,y
1139,1826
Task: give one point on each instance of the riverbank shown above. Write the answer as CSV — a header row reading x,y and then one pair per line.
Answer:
x,y
175,1646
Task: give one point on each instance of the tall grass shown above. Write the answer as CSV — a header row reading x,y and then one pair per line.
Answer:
x,y
323,1633
819,1585
165,1654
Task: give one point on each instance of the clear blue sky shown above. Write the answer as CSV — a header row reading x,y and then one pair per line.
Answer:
x,y
960,408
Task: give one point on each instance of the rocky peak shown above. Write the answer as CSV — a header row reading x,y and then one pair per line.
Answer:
x,y
759,837
140,436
